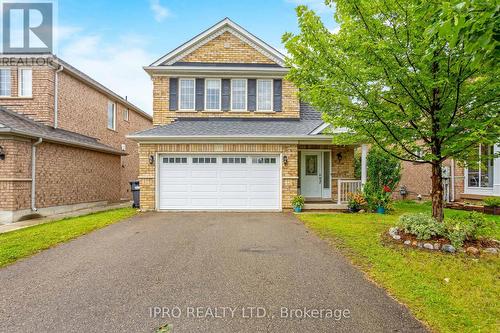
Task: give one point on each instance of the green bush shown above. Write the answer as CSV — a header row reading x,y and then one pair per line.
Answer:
x,y
492,202
298,201
457,229
471,227
422,226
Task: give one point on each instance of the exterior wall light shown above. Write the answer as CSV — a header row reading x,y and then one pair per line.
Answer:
x,y
285,160
339,157
151,159
2,154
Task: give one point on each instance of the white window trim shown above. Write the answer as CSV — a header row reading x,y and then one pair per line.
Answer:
x,y
114,116
257,95
10,82
19,81
179,94
126,111
246,96
480,190
205,95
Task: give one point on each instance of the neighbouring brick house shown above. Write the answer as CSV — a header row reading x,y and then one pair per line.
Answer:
x,y
72,129
462,183
231,134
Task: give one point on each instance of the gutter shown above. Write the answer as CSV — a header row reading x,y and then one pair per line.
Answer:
x,y
33,173
228,138
64,142
56,95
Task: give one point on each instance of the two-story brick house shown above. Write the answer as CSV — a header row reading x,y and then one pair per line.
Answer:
x,y
231,134
62,139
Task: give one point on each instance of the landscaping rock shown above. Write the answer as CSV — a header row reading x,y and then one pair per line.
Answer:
x,y
407,242
414,243
428,246
393,231
491,250
472,250
437,246
396,237
420,245
362,211
448,248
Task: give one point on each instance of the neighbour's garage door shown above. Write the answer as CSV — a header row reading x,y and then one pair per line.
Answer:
x,y
219,182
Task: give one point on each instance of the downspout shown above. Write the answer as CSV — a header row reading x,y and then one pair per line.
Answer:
x,y
56,95
33,173
452,171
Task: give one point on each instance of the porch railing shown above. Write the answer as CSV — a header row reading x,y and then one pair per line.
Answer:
x,y
346,186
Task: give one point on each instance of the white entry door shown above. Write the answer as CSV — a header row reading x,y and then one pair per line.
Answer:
x,y
219,182
311,178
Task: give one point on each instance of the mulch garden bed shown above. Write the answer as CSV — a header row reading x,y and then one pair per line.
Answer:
x,y
474,208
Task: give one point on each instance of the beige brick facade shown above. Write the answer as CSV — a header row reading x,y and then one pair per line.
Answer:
x,y
227,48
290,171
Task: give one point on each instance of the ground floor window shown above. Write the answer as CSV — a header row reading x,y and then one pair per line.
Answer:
x,y
480,174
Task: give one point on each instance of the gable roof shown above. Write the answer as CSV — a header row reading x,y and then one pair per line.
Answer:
x,y
18,124
225,25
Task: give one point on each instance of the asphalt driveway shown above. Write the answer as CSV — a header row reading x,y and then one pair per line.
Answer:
x,y
213,272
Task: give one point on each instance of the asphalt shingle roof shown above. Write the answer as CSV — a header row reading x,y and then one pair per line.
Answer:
x,y
12,122
310,119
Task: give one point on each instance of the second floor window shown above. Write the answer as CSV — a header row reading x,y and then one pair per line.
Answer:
x,y
264,95
4,81
186,94
238,94
125,114
111,115
212,94
25,82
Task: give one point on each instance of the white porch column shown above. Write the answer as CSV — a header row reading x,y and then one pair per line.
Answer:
x,y
496,172
364,153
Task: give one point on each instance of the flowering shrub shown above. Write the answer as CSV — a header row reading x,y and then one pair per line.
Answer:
x,y
356,201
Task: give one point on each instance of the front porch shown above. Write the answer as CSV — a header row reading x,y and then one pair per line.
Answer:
x,y
326,175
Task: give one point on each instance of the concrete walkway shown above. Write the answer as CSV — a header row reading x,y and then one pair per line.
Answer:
x,y
28,223
192,270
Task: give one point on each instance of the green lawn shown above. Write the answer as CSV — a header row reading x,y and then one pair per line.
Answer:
x,y
28,241
469,302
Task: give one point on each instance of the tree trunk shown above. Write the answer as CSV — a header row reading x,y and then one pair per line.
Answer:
x,y
437,192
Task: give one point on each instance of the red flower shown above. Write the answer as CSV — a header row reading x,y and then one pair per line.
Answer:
x,y
387,189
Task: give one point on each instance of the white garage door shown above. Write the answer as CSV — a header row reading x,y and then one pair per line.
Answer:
x,y
219,182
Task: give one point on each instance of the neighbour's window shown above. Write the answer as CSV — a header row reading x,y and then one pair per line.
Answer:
x,y
264,95
481,174
264,160
111,115
25,82
4,81
234,160
238,94
212,94
186,94
204,160
125,114
175,160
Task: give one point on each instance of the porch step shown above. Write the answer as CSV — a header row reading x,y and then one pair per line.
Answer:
x,y
324,206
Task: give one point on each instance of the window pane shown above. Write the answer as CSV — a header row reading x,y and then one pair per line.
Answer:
x,y
264,95
111,115
186,94
25,83
212,94
238,94
125,114
5,82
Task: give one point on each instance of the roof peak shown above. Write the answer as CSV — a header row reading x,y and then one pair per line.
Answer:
x,y
214,31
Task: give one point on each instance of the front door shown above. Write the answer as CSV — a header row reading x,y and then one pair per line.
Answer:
x,y
311,174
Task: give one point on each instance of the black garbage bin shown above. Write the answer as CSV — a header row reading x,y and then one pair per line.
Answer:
x,y
136,189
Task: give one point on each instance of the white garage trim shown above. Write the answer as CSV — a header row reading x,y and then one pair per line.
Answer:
x,y
158,161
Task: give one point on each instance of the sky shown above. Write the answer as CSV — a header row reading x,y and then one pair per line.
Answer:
x,y
112,40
